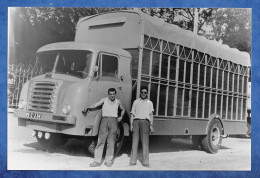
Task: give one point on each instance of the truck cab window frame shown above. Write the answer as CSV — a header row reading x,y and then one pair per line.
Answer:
x,y
71,62
107,65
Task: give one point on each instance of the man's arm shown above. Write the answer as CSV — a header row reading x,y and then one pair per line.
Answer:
x,y
131,122
93,106
151,117
122,111
151,123
132,116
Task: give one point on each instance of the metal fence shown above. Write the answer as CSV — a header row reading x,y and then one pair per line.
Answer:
x,y
20,74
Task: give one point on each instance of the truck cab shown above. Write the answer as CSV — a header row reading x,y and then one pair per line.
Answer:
x,y
74,76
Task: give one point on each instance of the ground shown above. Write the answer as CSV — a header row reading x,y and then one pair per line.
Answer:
x,y
25,153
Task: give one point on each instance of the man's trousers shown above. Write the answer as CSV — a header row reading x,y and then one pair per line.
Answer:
x,y
107,131
141,128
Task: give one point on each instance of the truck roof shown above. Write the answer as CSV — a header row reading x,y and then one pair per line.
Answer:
x,y
158,28
71,45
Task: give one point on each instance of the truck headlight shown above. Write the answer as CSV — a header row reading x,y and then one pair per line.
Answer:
x,y
22,104
66,109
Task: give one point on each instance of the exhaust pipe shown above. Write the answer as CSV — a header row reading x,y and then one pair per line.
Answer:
x,y
225,136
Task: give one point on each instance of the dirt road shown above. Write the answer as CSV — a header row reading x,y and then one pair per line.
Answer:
x,y
25,153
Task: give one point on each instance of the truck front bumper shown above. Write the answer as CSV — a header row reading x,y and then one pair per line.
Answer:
x,y
45,117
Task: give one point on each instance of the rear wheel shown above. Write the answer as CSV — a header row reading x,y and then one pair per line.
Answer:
x,y
248,133
212,142
51,141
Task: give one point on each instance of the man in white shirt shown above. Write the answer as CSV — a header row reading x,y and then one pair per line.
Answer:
x,y
108,127
141,124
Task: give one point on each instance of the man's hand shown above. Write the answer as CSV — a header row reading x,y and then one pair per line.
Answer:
x,y
85,111
131,128
151,129
119,119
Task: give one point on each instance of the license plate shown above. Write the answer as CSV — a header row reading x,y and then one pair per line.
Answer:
x,y
33,115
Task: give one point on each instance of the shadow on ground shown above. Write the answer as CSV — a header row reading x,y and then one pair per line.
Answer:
x,y
158,144
72,147
164,144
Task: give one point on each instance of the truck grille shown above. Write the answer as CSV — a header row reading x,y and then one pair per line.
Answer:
x,y
42,96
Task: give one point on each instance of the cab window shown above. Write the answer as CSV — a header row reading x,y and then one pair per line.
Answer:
x,y
109,65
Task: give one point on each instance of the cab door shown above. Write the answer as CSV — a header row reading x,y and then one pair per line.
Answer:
x,y
106,77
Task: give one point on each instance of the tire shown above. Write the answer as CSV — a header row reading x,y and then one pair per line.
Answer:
x,y
248,133
211,143
119,138
56,140
91,145
92,142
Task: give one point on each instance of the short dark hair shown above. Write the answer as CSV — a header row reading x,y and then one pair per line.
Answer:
x,y
111,90
144,88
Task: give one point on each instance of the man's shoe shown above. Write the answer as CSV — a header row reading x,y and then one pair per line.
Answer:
x,y
146,165
95,164
132,164
108,164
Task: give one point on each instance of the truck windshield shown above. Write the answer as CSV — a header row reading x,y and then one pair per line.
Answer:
x,y
70,62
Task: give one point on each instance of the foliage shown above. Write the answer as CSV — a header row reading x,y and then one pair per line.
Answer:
x,y
33,27
231,26
61,21
183,17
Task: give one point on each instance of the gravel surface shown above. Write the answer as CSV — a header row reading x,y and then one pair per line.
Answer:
x,y
25,153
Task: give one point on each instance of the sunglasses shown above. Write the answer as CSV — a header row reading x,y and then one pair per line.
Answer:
x,y
143,92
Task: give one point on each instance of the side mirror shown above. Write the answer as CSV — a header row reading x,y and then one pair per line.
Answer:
x,y
95,69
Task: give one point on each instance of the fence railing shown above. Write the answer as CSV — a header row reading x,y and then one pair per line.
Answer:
x,y
20,74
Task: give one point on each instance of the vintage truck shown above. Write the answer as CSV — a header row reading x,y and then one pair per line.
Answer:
x,y
198,87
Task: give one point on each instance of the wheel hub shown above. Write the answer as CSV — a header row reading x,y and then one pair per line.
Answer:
x,y
215,136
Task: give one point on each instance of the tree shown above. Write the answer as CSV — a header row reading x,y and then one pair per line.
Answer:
x,y
33,27
233,27
182,17
230,26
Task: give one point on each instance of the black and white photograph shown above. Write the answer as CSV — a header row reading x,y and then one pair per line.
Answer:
x,y
165,89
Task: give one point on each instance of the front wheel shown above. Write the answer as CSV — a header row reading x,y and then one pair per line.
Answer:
x,y
119,138
92,142
91,145
212,142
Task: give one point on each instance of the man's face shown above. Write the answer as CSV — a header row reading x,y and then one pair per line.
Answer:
x,y
112,95
144,93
